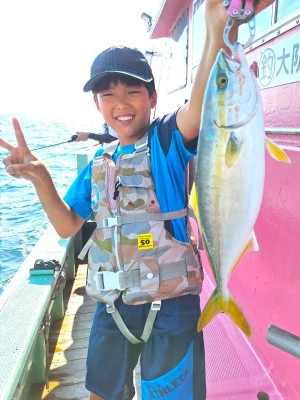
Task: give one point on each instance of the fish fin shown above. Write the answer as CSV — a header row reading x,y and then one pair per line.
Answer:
x,y
233,149
217,304
201,240
209,258
252,245
275,151
194,202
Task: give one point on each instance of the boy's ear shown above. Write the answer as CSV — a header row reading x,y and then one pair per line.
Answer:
x,y
97,103
153,99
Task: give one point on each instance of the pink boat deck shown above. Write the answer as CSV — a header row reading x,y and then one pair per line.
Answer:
x,y
233,370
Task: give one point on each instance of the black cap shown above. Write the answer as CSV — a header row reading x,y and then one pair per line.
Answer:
x,y
120,60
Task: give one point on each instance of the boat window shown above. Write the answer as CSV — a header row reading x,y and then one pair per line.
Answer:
x,y
198,31
263,22
286,7
178,57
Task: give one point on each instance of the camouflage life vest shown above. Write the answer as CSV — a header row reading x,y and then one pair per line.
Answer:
x,y
131,253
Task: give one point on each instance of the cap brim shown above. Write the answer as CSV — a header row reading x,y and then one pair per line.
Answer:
x,y
93,81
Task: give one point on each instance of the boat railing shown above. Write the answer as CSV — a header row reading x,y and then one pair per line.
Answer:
x,y
282,131
29,304
284,340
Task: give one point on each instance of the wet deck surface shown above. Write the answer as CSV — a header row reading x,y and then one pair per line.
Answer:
x,y
233,371
68,345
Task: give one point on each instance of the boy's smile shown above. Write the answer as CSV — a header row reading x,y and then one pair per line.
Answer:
x,y
126,109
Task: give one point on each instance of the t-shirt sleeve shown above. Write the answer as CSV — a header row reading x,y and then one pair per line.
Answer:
x,y
169,159
166,127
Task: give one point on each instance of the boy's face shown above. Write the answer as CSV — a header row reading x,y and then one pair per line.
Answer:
x,y
126,109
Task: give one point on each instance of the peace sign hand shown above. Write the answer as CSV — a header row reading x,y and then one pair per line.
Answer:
x,y
21,163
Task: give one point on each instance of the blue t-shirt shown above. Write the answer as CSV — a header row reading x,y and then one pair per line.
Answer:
x,y
169,158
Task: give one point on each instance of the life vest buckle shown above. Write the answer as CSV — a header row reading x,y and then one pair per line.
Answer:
x,y
109,280
110,308
111,221
156,305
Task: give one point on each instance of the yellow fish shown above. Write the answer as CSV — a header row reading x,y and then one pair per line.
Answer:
x,y
229,175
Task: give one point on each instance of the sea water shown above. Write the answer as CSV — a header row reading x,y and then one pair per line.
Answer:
x,y
22,219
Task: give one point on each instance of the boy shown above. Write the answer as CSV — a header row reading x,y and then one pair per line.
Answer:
x,y
172,359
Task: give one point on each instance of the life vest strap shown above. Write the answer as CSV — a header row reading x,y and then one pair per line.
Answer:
x,y
86,247
141,146
155,307
121,280
133,218
127,219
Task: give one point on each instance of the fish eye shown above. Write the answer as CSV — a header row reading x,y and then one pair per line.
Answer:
x,y
222,81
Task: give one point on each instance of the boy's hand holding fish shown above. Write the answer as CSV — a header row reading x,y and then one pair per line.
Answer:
x,y
189,116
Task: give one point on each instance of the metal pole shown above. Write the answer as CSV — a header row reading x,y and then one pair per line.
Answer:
x,y
82,161
284,340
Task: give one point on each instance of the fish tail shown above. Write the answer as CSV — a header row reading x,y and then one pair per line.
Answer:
x,y
235,313
218,304
212,308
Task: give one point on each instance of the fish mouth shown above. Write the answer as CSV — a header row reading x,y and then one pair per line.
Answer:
x,y
232,63
236,58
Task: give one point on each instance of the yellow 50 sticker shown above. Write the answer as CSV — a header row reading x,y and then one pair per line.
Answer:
x,y
145,241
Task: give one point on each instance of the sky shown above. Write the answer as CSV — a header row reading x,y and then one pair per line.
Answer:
x,y
47,47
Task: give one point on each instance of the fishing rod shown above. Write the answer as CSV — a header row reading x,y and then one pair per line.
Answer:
x,y
101,137
73,138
